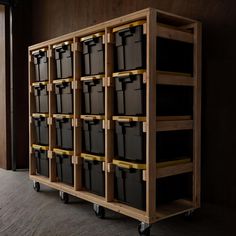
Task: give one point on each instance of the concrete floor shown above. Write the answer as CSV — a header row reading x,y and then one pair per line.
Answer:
x,y
24,212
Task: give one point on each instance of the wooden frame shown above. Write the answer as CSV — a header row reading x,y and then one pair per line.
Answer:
x,y
157,23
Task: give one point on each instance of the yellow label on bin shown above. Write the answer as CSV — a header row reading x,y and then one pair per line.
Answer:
x,y
39,147
92,36
63,152
90,157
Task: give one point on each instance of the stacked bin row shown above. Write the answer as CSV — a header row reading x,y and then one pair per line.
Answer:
x,y
130,112
93,110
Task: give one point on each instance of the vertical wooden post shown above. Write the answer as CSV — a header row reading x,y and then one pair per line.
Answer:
x,y
151,116
109,135
197,116
77,113
51,107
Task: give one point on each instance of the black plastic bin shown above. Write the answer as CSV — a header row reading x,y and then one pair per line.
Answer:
x,y
64,131
93,137
93,97
130,47
93,174
42,163
41,97
93,55
129,185
174,100
65,168
40,65
41,128
130,96
64,60
130,141
174,56
64,96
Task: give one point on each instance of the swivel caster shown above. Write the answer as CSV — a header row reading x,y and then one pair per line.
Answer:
x,y
36,186
99,211
64,197
189,215
144,229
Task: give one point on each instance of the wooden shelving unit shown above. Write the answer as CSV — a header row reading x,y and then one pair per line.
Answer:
x,y
158,23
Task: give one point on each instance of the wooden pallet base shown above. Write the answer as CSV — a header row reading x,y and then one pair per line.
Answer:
x,y
163,211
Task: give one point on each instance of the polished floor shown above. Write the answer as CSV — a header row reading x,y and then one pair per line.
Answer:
x,y
24,212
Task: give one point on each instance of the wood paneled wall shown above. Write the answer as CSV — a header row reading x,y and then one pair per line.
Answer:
x,y
51,18
4,95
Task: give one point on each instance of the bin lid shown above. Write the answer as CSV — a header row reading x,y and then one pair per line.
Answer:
x,y
39,50
92,117
61,116
129,165
40,83
63,152
130,25
92,36
60,81
128,73
38,115
129,118
40,147
61,44
91,157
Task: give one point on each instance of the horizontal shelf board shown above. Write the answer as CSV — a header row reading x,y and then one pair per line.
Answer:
x,y
165,31
174,208
171,78
115,206
173,118
172,170
174,125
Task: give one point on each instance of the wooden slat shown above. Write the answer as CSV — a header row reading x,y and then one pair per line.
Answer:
x,y
197,117
167,78
173,208
174,170
77,112
109,101
174,125
151,114
168,32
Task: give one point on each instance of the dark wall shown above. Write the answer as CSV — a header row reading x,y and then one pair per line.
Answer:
x,y
52,18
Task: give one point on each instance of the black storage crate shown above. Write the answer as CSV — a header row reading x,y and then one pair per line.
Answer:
x,y
42,163
130,47
130,141
94,176
130,187
130,96
64,97
93,137
64,133
174,56
174,100
93,57
40,65
41,97
41,127
65,168
174,145
93,97
64,60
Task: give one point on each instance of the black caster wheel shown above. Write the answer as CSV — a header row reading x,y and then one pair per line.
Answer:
x,y
36,186
144,229
189,215
99,211
64,197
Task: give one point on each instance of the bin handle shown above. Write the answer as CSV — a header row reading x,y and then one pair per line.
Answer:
x,y
123,74
124,119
